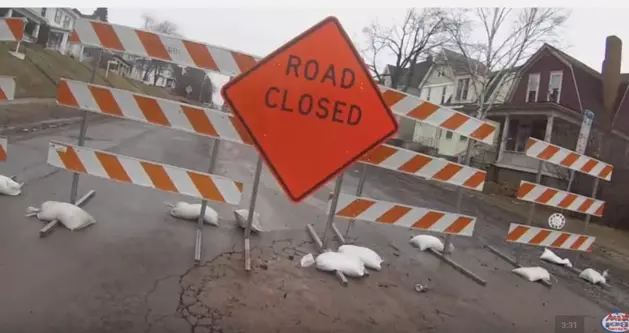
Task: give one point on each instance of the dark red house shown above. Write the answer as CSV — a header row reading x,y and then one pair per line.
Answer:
x,y
547,102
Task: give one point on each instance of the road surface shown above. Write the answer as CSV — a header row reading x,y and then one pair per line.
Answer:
x,y
133,270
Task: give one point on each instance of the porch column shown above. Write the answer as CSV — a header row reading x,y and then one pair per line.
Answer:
x,y
503,139
549,128
64,43
36,31
81,48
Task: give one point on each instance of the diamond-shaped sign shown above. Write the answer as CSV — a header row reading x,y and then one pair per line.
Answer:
x,y
311,108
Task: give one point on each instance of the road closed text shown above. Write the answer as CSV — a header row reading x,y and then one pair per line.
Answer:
x,y
313,104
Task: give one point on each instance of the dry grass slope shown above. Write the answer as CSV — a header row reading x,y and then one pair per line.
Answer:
x,y
38,75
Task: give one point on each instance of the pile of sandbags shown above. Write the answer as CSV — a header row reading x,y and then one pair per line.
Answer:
x,y
351,260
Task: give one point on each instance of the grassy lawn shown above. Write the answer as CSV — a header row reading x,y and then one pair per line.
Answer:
x,y
39,73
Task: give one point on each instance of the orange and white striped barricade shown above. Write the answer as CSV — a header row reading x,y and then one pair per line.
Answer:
x,y
151,110
549,196
4,148
535,193
130,170
428,167
7,88
563,157
390,213
12,30
529,235
175,50
550,153
420,165
155,111
229,62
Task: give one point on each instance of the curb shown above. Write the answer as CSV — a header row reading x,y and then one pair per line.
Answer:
x,y
41,123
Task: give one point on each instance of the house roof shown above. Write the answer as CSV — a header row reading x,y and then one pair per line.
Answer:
x,y
92,16
494,84
459,62
589,84
419,72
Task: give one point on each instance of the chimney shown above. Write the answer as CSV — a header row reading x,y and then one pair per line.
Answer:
x,y
611,72
429,58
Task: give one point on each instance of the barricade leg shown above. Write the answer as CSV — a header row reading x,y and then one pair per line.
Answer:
x,y
322,245
252,207
459,196
586,224
332,211
82,131
45,231
529,219
359,192
199,236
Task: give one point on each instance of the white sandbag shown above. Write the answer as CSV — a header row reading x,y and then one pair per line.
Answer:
x,y
369,257
10,187
424,242
550,256
241,219
46,212
307,260
533,273
186,211
71,216
593,276
334,261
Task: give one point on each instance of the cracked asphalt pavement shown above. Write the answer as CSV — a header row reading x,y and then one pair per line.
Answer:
x,y
133,270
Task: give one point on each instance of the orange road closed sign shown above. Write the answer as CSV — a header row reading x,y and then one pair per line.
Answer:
x,y
311,108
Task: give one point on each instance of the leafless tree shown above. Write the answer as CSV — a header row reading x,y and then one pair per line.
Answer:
x,y
419,33
508,38
163,27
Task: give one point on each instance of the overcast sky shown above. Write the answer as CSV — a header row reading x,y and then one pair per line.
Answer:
x,y
260,31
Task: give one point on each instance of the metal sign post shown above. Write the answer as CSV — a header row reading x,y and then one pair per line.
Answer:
x,y
359,192
332,210
252,206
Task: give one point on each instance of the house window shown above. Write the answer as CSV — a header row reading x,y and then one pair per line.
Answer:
x,y
554,86
440,72
443,95
66,22
462,138
449,135
428,91
58,16
532,88
43,12
462,88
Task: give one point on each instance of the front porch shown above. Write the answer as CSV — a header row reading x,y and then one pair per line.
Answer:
x,y
516,126
33,21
